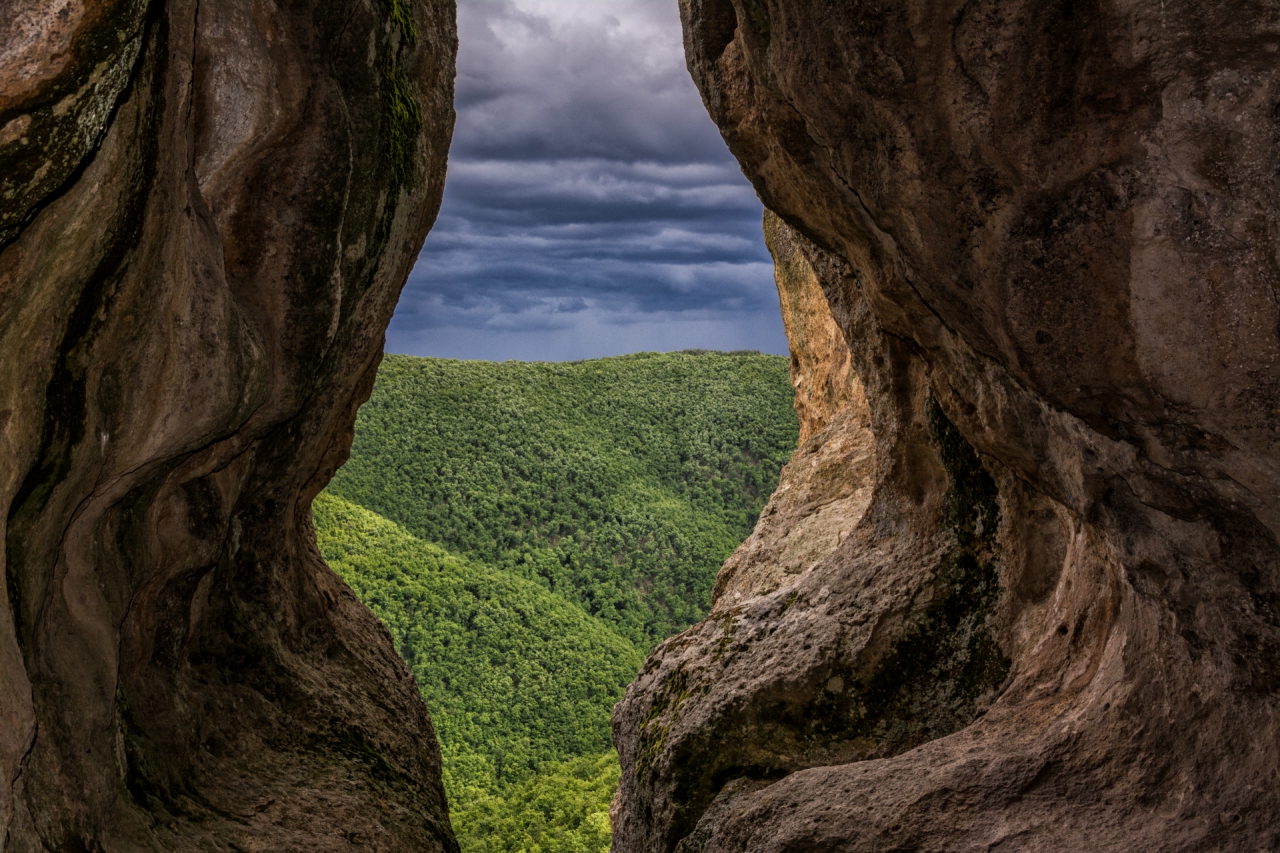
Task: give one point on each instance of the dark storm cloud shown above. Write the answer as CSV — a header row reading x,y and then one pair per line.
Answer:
x,y
591,207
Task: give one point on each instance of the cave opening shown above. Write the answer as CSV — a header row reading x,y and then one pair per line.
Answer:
x,y
586,402
1047,241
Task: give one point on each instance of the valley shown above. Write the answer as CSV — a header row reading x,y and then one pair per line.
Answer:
x,y
527,532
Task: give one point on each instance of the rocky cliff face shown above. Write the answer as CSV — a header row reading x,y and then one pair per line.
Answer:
x,y
824,490
1047,233
821,368
207,210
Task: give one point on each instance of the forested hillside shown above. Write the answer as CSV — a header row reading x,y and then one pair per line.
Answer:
x,y
620,484
527,532
514,674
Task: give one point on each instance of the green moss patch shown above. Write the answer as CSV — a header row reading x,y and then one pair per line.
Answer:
x,y
400,108
404,122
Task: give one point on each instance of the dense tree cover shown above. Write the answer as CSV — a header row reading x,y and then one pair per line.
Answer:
x,y
563,809
622,483
515,676
527,532
520,684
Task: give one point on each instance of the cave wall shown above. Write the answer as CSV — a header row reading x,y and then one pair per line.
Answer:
x,y
207,210
824,489
821,368
1047,232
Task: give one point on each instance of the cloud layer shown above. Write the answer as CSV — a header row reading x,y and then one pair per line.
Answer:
x,y
591,207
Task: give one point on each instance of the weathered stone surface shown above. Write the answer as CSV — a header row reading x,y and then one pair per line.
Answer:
x,y
1053,226
848,657
821,370
228,195
63,65
824,490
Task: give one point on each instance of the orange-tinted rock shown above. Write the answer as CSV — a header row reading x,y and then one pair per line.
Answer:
x,y
821,371
825,488
207,211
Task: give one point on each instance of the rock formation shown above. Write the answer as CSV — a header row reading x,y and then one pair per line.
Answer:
x,y
1047,232
207,210
824,490
821,368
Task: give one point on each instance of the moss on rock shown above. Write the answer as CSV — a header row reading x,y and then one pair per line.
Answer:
x,y
48,136
399,103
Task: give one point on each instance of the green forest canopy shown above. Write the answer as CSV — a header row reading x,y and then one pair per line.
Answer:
x,y
620,484
514,675
527,531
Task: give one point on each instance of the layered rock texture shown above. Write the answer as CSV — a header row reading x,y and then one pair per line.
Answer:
x,y
207,210
1047,233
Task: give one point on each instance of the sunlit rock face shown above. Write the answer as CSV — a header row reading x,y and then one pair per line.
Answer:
x,y
825,488
207,210
821,366
1048,235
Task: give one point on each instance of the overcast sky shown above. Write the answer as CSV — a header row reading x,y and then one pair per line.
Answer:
x,y
591,207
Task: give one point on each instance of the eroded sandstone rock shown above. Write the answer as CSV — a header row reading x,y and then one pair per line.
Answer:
x,y
207,210
821,370
1047,232
824,490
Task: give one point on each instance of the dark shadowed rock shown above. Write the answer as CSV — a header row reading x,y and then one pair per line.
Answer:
x,y
207,210
1048,233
